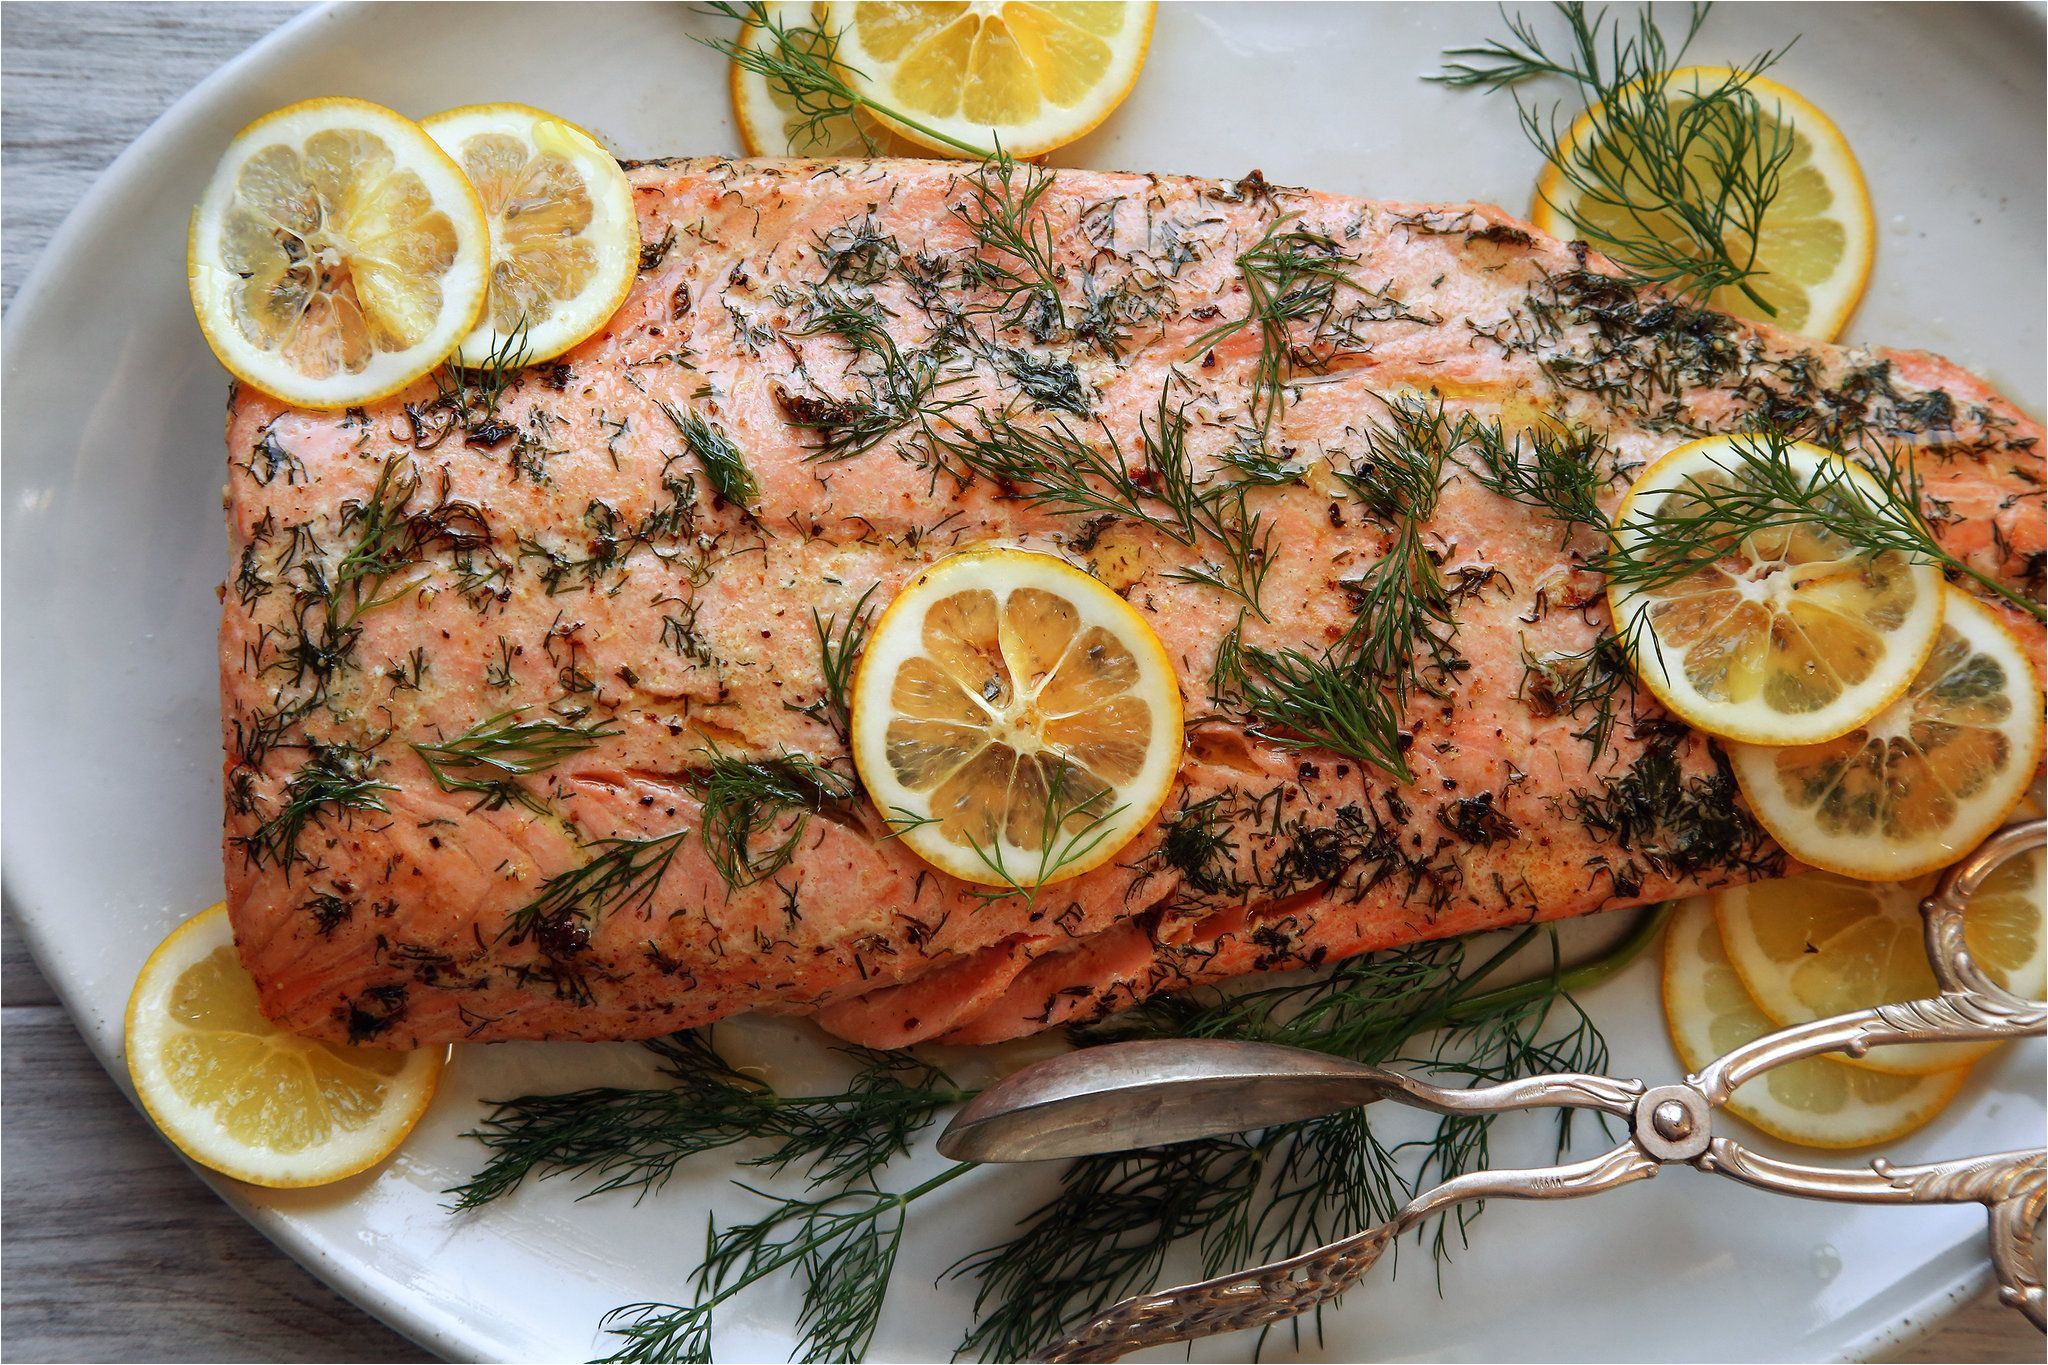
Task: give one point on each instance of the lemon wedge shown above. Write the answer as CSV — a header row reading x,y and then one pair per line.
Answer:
x,y
1815,1102
337,255
565,241
1921,783
1034,74
1819,234
770,122
1816,945
1016,720
1794,637
238,1094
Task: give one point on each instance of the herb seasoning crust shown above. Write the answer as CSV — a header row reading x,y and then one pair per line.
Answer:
x,y
534,679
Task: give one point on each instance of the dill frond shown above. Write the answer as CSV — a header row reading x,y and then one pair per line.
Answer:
x,y
1352,697
620,875
1684,186
625,1139
898,388
745,800
1291,278
1764,492
839,647
335,780
1059,469
1555,468
1016,254
488,757
802,61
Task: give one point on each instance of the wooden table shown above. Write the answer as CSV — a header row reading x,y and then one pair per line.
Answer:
x,y
112,1251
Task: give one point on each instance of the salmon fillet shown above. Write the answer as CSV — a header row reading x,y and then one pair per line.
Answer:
x,y
606,573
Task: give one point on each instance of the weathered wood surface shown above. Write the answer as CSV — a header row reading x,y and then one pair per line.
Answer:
x,y
112,1249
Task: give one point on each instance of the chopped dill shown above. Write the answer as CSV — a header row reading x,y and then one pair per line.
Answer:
x,y
746,800
492,754
1688,202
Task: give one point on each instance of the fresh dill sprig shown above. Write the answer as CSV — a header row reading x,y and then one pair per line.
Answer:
x,y
1064,471
1560,471
335,779
1247,1198
620,875
802,62
1016,253
492,754
1765,491
628,1139
1291,277
845,1244
744,800
1352,697
1674,185
725,467
839,647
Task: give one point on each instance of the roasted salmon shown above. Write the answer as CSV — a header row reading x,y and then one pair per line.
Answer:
x,y
490,649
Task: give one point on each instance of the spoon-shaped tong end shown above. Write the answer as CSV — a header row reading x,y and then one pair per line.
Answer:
x,y
1145,1094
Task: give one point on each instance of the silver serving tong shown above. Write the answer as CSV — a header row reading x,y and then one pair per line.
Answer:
x,y
1129,1095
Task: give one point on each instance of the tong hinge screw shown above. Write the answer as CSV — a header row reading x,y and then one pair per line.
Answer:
x,y
1673,1122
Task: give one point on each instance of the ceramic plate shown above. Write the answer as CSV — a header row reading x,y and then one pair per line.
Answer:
x,y
114,547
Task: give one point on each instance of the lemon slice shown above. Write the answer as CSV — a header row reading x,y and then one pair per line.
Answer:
x,y
1819,233
1794,637
1815,1102
1034,76
337,254
565,242
1815,945
1921,783
240,1095
1016,720
769,120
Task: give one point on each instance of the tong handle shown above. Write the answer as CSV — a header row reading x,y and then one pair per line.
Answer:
x,y
1284,1289
2013,1187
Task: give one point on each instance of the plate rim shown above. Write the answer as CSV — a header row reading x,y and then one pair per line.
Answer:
x,y
420,1320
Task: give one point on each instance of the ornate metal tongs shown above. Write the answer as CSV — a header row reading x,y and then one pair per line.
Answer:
x,y
1127,1095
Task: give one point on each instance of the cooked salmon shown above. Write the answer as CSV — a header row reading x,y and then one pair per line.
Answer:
x,y
533,684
